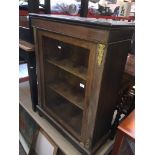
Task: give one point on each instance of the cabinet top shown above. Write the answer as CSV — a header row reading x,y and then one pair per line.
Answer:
x,y
90,22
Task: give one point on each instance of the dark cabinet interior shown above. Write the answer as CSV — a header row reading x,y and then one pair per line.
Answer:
x,y
65,72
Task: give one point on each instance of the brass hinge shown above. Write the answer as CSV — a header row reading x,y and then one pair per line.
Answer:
x,y
100,49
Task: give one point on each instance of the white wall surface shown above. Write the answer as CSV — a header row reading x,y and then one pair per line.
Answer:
x,y
43,146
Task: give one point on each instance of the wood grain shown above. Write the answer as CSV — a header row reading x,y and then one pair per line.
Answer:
x,y
102,80
128,125
26,46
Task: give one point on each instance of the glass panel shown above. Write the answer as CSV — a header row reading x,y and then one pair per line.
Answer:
x,y
65,72
68,57
63,110
65,84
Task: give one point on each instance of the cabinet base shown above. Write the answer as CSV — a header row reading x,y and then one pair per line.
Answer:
x,y
67,135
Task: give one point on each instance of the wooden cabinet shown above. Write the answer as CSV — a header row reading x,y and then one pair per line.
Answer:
x,y
79,67
125,138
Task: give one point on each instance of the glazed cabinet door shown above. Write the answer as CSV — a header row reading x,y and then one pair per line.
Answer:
x,y
65,69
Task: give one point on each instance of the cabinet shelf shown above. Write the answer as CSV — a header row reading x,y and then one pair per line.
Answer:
x,y
26,46
79,71
72,95
71,115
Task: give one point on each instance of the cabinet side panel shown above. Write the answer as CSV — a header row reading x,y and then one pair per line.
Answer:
x,y
113,70
120,34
